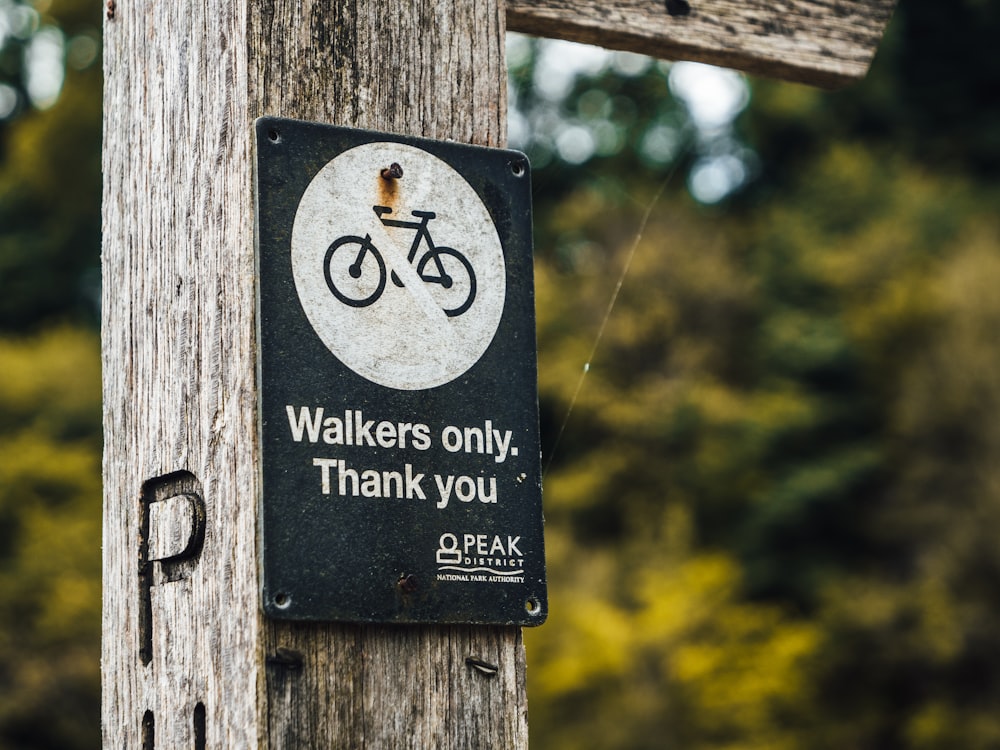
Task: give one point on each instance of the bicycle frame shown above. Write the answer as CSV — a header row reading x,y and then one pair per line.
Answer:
x,y
364,295
422,234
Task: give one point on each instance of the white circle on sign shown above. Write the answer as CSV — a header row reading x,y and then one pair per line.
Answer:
x,y
403,279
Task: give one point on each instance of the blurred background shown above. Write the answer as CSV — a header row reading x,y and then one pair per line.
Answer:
x,y
773,508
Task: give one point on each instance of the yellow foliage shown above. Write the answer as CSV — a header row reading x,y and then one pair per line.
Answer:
x,y
51,384
766,384
50,529
666,647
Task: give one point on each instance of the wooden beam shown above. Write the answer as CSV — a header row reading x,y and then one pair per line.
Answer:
x,y
825,43
189,660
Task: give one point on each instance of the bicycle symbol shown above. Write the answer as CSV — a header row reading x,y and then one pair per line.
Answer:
x,y
443,266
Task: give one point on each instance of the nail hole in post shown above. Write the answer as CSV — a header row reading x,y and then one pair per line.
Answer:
x,y
678,7
148,731
199,726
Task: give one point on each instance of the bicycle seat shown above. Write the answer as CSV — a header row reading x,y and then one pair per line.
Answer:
x,y
381,210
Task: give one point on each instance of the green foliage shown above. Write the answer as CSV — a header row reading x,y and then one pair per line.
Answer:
x,y
50,541
782,456
50,187
931,95
625,123
50,441
918,644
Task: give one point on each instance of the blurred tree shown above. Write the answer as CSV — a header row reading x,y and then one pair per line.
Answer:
x,y
50,554
606,119
50,162
651,642
913,642
933,94
783,386
50,442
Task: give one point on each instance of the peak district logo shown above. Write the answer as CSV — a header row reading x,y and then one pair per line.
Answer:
x,y
483,558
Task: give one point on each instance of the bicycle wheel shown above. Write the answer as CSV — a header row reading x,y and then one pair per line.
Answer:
x,y
352,280
453,273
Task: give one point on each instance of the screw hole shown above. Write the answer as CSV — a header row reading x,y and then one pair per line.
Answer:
x,y
532,607
274,136
282,601
517,168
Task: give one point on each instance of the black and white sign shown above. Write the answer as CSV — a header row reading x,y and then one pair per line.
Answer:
x,y
416,264
398,401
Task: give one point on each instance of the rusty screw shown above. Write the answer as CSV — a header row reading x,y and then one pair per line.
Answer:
x,y
407,583
392,172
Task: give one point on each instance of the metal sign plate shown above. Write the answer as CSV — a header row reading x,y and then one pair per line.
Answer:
x,y
398,390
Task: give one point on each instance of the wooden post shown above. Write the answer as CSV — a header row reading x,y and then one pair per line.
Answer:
x,y
188,658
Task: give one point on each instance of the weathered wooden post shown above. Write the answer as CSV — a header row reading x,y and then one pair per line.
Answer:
x,y
189,658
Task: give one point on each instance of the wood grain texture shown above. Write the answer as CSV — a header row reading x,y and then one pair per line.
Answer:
x,y
187,655
436,69
172,527
178,351
820,42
